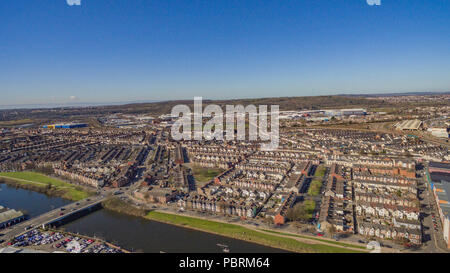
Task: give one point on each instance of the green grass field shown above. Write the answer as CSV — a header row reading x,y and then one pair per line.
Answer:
x,y
309,206
202,174
239,232
314,188
320,171
68,190
16,122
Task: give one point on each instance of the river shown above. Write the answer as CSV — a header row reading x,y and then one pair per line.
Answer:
x,y
132,233
31,202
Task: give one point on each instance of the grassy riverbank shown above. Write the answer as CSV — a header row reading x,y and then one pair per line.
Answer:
x,y
44,184
317,239
234,231
246,234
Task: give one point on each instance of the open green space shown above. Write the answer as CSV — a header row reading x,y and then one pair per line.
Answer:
x,y
243,233
202,174
16,122
320,171
314,187
309,206
45,184
302,211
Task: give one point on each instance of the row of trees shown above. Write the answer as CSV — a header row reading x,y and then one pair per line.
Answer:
x,y
301,211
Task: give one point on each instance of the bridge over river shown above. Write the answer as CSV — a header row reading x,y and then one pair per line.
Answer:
x,y
56,216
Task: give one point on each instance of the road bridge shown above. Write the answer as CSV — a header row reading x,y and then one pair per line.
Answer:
x,y
56,216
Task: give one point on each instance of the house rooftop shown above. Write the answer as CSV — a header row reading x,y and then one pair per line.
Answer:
x,y
440,165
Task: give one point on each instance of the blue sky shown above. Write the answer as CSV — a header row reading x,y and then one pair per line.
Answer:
x,y
122,50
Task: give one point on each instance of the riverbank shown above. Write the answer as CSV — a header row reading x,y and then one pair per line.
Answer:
x,y
234,231
44,184
284,241
117,205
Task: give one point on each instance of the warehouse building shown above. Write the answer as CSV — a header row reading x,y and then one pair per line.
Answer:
x,y
9,217
413,124
439,167
10,249
356,111
439,176
65,126
438,132
345,112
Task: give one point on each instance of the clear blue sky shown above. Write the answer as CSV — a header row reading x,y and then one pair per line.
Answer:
x,y
125,50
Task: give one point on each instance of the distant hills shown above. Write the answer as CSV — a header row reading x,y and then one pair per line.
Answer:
x,y
397,94
69,104
165,107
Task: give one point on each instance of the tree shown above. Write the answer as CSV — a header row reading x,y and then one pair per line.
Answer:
x,y
298,213
331,230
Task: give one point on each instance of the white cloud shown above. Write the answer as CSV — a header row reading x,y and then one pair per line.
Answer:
x,y
73,98
73,2
370,2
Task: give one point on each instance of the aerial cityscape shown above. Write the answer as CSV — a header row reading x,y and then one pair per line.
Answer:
x,y
192,127
339,177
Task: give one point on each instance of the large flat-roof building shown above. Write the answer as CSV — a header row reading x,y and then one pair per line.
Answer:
x,y
354,111
439,174
439,167
439,132
345,112
413,124
10,249
9,217
65,126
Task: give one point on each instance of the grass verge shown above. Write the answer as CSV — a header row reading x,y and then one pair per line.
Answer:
x,y
317,239
246,234
44,184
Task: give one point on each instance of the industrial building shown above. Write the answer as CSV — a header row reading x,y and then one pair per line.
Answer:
x,y
355,111
439,178
439,167
439,132
345,112
413,124
9,217
10,249
65,126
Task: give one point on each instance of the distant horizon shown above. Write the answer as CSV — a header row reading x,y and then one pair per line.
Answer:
x,y
118,103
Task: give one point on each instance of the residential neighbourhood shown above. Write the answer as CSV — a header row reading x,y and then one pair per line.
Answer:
x,y
352,183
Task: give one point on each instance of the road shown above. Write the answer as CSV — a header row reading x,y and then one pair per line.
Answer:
x,y
50,216
433,239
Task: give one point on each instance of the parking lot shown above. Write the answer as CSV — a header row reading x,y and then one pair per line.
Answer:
x,y
58,241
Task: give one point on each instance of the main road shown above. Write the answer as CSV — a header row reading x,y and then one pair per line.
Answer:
x,y
52,216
